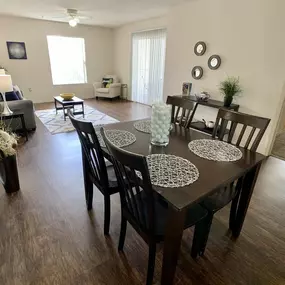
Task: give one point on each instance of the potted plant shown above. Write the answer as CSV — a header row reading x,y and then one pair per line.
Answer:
x,y
230,88
8,162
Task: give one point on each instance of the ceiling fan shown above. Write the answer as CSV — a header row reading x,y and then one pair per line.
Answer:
x,y
73,17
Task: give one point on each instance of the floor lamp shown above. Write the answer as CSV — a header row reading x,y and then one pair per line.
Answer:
x,y
5,86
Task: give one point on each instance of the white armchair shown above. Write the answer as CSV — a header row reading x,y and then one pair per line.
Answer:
x,y
114,89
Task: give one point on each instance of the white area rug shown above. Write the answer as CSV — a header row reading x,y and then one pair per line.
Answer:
x,y
55,122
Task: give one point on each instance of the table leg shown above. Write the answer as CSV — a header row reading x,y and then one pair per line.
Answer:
x,y
24,127
83,110
192,115
55,105
88,185
173,236
64,112
243,201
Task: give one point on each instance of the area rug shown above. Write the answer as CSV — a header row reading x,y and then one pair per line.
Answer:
x,y
55,122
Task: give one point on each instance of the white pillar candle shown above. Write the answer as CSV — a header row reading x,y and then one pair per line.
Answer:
x,y
160,124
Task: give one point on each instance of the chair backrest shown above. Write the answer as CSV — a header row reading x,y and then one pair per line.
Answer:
x,y
181,110
136,193
233,118
92,151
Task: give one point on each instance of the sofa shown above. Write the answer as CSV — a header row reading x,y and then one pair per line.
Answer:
x,y
24,106
109,87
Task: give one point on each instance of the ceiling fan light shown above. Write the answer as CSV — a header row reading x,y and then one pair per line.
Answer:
x,y
73,23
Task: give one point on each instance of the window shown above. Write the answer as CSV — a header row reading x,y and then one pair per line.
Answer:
x,y
148,58
67,60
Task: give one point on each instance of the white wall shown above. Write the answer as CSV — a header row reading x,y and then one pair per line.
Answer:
x,y
246,34
35,72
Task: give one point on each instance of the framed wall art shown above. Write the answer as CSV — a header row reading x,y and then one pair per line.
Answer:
x,y
17,50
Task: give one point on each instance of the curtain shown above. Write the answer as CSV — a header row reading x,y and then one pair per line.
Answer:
x,y
148,60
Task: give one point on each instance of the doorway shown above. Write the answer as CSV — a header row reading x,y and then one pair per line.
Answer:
x,y
148,62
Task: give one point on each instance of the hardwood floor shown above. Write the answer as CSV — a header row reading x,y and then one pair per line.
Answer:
x,y
48,237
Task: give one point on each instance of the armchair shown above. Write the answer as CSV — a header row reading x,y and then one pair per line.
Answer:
x,y
110,87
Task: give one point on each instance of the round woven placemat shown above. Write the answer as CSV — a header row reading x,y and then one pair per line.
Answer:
x,y
171,171
215,150
119,138
143,126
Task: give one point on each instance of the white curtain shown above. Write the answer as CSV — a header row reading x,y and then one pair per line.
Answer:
x,y
148,60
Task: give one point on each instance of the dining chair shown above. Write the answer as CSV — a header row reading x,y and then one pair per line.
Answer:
x,y
182,111
95,169
249,133
140,206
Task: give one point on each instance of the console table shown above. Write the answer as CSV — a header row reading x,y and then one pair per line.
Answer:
x,y
200,126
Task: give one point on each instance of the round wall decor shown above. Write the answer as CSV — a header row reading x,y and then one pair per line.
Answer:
x,y
197,72
214,62
200,48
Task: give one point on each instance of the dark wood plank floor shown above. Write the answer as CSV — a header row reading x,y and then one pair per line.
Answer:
x,y
48,237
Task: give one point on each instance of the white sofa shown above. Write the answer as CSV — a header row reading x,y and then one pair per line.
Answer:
x,y
113,91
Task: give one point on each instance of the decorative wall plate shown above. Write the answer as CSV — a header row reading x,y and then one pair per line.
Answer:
x,y
214,62
200,48
197,72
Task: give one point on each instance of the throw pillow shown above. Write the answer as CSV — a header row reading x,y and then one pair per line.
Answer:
x,y
107,81
11,96
19,92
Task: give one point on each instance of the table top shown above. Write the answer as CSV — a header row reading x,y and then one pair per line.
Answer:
x,y
13,115
74,100
210,102
213,174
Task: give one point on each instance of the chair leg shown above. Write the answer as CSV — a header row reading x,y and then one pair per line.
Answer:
x,y
122,233
107,214
151,263
88,184
201,234
89,197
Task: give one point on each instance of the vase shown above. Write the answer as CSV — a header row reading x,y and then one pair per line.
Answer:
x,y
9,173
228,101
160,124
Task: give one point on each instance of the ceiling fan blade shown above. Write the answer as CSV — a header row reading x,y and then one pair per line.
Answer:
x,y
62,17
84,17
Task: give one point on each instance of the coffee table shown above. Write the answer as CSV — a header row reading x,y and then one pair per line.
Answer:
x,y
68,104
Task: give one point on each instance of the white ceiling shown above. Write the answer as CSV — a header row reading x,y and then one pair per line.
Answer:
x,y
109,13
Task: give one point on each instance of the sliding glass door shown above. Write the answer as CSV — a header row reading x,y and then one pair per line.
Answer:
x,y
148,60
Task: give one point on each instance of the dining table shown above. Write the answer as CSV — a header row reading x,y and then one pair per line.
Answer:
x,y
213,175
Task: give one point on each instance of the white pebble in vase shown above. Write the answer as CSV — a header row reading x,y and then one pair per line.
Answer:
x,y
160,124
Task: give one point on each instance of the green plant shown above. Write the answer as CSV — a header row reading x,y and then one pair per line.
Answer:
x,y
230,87
8,140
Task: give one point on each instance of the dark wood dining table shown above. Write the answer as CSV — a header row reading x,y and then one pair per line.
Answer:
x,y
212,176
